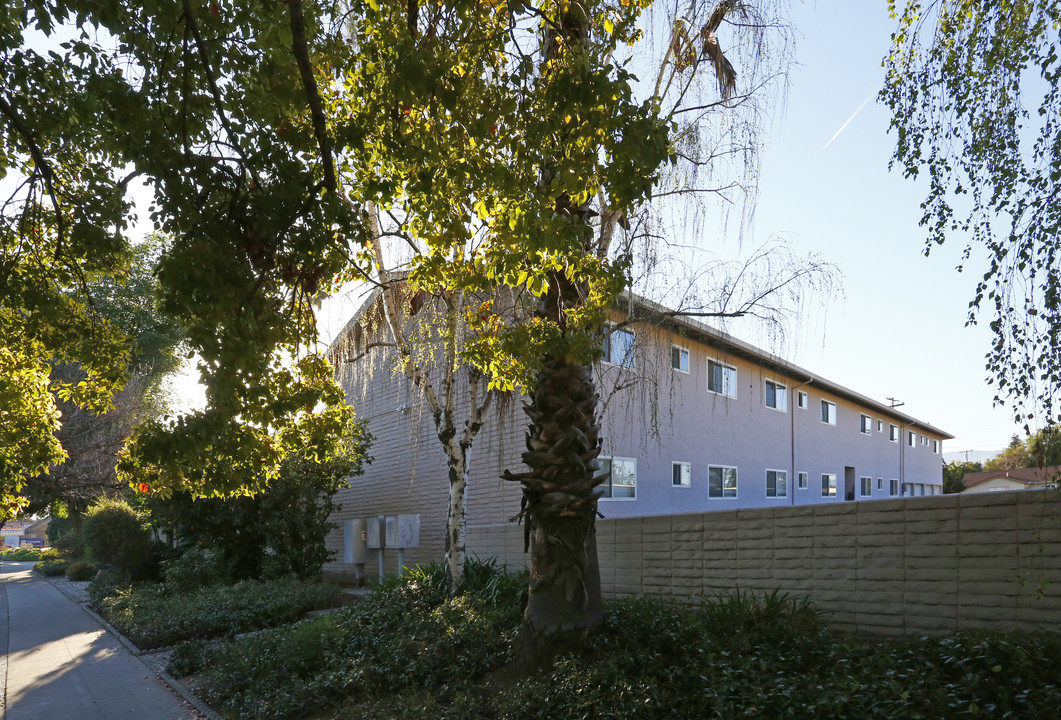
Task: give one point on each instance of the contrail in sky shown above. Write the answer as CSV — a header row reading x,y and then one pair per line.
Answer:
x,y
848,122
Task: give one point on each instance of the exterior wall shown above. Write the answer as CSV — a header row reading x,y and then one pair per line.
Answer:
x,y
706,429
652,414
896,567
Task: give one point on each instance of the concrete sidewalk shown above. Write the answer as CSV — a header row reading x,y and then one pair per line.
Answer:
x,y
61,665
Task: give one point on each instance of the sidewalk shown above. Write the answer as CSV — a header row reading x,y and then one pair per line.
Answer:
x,y
61,665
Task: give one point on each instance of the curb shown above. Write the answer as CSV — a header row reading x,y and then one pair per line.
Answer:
x,y
174,685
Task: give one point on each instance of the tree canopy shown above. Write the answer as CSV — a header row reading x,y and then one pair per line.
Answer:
x,y
973,87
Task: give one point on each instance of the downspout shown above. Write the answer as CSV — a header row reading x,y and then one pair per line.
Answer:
x,y
792,429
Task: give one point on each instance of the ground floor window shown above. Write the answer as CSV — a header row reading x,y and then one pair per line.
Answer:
x,y
776,483
893,487
681,474
621,483
802,481
828,485
866,488
722,481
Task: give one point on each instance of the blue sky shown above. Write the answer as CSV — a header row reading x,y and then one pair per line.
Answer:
x,y
898,330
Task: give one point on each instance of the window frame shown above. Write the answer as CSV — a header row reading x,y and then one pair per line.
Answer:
x,y
911,438
682,352
802,480
780,391
722,487
688,480
880,425
628,359
865,486
608,486
935,446
829,485
711,363
865,424
893,487
783,475
893,433
880,483
802,400
831,407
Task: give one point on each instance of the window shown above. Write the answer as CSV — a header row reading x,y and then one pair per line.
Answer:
x,y
681,474
880,483
802,481
935,446
622,482
801,400
679,358
619,347
828,412
924,441
776,396
722,482
866,486
776,483
866,425
828,485
911,438
893,433
721,379
893,487
880,426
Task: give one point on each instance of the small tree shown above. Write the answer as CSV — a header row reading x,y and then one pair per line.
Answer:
x,y
114,534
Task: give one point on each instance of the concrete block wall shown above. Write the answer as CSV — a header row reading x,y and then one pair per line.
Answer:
x,y
900,567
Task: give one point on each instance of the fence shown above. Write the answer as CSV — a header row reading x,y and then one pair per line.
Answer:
x,y
899,567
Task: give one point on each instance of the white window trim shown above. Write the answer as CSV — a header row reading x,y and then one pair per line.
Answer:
x,y
911,438
802,400
896,436
935,446
880,483
688,358
832,414
736,489
835,486
622,499
682,485
609,330
766,487
893,483
724,367
802,480
866,421
777,385
880,425
862,486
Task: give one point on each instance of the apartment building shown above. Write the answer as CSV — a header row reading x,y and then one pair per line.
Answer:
x,y
693,420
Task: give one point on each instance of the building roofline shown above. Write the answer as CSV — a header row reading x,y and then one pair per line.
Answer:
x,y
713,336
640,308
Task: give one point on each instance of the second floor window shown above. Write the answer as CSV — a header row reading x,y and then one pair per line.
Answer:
x,y
828,412
721,379
776,396
679,358
619,347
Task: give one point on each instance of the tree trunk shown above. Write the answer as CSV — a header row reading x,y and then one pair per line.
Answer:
x,y
457,518
559,508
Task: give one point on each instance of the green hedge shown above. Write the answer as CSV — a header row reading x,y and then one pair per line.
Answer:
x,y
23,554
51,568
155,615
410,651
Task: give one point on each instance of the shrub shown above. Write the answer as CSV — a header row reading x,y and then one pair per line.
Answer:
x,y
70,545
191,570
155,615
51,568
114,534
22,554
80,571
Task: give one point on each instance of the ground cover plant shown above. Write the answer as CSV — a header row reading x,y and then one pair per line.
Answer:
x,y
159,614
22,554
411,651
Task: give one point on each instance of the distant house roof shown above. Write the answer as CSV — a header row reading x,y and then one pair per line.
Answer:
x,y
640,308
1029,477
